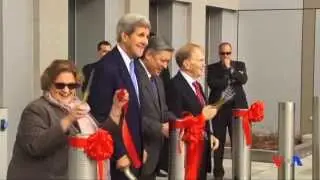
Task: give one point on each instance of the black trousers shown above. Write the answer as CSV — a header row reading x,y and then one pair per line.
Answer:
x,y
148,177
164,156
205,162
220,123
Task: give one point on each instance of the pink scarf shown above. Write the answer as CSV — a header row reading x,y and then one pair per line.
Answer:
x,y
87,124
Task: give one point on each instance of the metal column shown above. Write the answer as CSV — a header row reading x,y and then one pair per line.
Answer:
x,y
177,159
241,155
3,142
286,139
315,139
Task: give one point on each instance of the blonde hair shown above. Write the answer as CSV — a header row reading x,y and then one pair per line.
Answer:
x,y
55,69
185,52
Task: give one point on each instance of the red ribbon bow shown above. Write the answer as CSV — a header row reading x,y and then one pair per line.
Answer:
x,y
98,146
254,114
193,136
126,135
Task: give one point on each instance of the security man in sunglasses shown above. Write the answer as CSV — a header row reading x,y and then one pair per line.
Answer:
x,y
225,73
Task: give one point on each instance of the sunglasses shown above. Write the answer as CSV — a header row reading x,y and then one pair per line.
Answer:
x,y
63,85
225,53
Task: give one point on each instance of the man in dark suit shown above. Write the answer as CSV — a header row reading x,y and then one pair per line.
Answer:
x,y
185,94
155,114
225,73
164,153
103,48
114,71
162,170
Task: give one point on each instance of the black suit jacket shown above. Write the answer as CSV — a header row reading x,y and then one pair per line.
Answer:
x,y
110,75
86,71
154,113
218,77
181,98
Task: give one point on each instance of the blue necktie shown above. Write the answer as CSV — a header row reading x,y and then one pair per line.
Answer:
x,y
134,79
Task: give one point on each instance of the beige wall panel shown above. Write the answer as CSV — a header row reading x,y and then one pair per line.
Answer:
x,y
53,31
311,4
230,4
270,4
138,6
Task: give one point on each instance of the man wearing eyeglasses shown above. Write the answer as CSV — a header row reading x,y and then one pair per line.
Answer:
x,y
226,72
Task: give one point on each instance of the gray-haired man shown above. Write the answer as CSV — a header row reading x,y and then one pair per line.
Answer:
x,y
114,71
154,109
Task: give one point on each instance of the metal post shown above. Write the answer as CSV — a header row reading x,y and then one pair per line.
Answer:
x,y
177,157
241,155
80,166
286,139
3,142
315,139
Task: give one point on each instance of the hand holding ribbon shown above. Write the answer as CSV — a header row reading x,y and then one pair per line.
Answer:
x,y
121,98
193,136
254,114
127,138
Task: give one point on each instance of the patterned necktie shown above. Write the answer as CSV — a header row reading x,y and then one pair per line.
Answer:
x,y
134,78
199,95
154,89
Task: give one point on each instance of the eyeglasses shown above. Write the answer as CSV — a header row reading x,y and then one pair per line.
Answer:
x,y
225,53
63,85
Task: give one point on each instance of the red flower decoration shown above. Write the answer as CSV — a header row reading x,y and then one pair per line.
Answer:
x,y
256,112
193,136
194,128
99,145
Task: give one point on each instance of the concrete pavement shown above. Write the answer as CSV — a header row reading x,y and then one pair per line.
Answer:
x,y
268,171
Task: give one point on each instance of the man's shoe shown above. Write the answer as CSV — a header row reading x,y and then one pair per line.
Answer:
x,y
162,173
218,178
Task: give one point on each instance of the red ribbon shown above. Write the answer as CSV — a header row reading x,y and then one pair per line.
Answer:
x,y
194,137
98,146
254,114
126,135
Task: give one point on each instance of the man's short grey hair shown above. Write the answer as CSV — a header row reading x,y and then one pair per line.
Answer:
x,y
129,22
157,43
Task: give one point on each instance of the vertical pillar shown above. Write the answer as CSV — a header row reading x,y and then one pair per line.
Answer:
x,y
307,64
241,154
286,129
16,62
50,35
315,139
